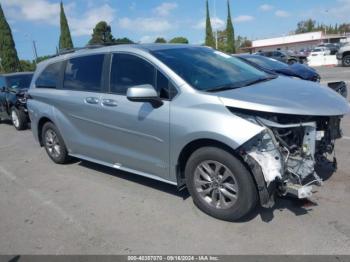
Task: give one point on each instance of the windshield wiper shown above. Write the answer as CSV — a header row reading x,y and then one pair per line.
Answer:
x,y
222,88
259,80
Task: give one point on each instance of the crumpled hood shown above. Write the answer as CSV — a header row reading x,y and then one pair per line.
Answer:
x,y
285,95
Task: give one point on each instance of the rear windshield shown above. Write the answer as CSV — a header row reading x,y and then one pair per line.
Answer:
x,y
206,69
19,81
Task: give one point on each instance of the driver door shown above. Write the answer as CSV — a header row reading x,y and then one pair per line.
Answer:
x,y
136,134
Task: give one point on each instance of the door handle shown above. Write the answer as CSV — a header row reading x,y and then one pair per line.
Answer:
x,y
109,102
92,100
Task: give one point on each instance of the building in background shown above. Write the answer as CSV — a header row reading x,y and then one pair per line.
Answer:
x,y
296,42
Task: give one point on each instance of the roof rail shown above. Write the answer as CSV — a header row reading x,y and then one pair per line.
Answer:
x,y
68,50
64,51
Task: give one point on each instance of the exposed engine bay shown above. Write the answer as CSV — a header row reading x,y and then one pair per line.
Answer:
x,y
287,151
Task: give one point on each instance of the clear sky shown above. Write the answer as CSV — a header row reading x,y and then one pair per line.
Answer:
x,y
144,20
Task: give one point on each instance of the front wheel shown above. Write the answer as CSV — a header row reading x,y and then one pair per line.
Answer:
x,y
19,118
54,144
346,61
220,184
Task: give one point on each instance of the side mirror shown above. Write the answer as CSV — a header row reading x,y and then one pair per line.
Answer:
x,y
144,93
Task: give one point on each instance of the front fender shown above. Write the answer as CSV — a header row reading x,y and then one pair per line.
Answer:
x,y
205,117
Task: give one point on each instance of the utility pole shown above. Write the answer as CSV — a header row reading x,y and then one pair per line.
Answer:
x,y
35,51
325,28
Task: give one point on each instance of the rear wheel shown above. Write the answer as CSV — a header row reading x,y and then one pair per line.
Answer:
x,y
19,118
54,144
219,184
346,61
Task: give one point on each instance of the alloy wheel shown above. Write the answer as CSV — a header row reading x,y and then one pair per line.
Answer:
x,y
216,184
52,143
15,119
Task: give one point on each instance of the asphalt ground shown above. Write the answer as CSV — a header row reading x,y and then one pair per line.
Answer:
x,y
85,208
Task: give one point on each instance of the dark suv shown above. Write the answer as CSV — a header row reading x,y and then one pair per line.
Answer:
x,y
13,103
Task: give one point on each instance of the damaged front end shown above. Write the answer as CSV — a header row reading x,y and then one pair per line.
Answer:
x,y
282,158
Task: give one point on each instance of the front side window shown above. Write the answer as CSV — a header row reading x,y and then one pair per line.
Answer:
x,y
84,73
208,70
129,70
49,78
166,90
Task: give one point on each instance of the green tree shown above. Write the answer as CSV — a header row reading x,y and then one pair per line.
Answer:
x,y
222,40
230,47
8,54
160,40
179,40
310,25
242,43
27,65
42,58
209,37
306,26
124,40
102,33
65,37
344,28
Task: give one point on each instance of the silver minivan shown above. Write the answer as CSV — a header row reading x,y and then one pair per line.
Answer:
x,y
191,116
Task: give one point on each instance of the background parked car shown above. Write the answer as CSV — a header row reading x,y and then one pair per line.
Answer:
x,y
320,51
333,47
13,103
295,70
344,55
305,52
280,56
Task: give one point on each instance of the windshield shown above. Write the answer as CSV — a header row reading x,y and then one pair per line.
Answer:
x,y
208,70
266,62
19,81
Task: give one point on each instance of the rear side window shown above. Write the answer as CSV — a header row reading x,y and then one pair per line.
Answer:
x,y
84,73
50,77
129,70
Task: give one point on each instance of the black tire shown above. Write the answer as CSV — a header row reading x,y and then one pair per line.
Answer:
x,y
19,119
292,61
246,197
346,61
58,155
